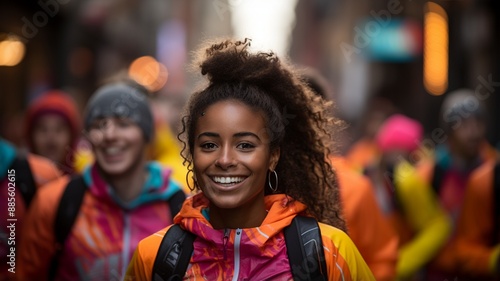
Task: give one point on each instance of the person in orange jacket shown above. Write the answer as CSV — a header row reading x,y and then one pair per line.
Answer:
x,y
20,178
369,229
478,233
461,149
258,169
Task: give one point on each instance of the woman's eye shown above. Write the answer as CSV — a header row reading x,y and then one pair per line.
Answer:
x,y
245,146
209,146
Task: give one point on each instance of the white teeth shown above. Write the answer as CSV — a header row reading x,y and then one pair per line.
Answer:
x,y
112,150
228,179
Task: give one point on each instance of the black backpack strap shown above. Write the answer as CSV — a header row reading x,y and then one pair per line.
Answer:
x,y
175,202
496,201
67,211
305,249
173,256
25,181
437,178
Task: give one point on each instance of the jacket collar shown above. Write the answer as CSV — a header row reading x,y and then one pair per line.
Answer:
x,y
158,186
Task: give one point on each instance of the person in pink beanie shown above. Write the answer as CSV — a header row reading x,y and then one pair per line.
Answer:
x,y
399,132
409,202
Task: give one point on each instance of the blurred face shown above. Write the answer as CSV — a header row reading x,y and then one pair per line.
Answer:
x,y
51,137
467,138
232,156
118,144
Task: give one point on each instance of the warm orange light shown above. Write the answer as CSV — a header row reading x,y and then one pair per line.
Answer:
x,y
148,72
435,49
12,51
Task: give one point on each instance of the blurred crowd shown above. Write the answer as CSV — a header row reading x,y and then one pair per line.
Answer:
x,y
428,209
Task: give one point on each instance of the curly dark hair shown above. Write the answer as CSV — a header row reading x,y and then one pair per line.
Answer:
x,y
298,121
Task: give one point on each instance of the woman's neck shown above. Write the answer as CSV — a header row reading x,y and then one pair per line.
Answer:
x,y
241,217
128,185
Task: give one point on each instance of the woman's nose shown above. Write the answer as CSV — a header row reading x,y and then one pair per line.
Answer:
x,y
108,130
225,159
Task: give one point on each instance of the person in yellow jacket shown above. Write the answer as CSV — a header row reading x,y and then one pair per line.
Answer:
x,y
422,225
426,222
258,168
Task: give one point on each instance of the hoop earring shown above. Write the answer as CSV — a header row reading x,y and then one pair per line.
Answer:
x,y
195,182
269,180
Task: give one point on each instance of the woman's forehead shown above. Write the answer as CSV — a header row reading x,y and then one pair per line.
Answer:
x,y
231,115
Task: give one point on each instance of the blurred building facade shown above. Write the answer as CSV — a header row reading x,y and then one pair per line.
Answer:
x,y
371,49
75,45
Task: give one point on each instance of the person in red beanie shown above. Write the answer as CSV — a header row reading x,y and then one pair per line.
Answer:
x,y
53,125
409,202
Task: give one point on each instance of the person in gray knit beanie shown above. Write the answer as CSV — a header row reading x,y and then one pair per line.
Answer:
x,y
121,100
114,203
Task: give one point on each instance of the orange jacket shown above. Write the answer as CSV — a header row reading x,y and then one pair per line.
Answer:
x,y
363,153
372,233
475,252
263,249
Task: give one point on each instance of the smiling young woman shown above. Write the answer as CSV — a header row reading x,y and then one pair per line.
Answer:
x,y
256,140
233,158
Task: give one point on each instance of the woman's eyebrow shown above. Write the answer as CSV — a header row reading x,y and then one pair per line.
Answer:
x,y
236,135
246,134
208,134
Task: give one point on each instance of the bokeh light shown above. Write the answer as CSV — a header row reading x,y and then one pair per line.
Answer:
x,y
268,23
11,51
435,49
148,72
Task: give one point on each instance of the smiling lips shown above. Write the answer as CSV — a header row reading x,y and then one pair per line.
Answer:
x,y
228,180
112,150
112,154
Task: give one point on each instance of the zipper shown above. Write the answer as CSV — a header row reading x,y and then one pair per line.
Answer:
x,y
225,239
237,241
126,243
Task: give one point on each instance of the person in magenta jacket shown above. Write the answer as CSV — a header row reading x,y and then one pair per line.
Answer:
x,y
257,143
